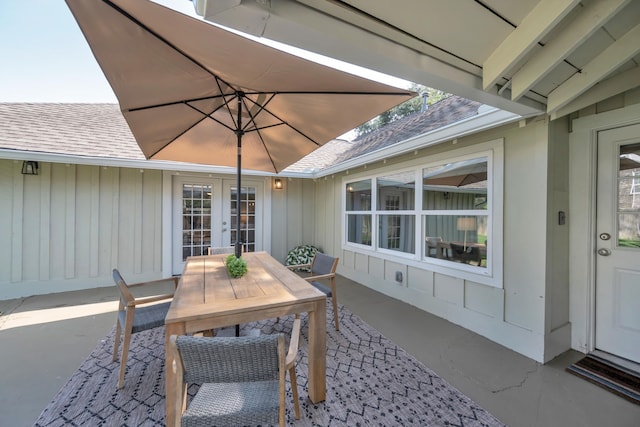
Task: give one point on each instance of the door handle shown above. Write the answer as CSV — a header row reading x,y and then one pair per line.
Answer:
x,y
224,229
604,252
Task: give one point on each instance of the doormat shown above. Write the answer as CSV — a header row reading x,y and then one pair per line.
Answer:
x,y
608,375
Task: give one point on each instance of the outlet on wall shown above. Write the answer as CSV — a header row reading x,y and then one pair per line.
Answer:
x,y
399,276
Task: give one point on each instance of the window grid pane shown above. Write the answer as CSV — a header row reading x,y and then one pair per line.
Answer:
x,y
196,219
247,217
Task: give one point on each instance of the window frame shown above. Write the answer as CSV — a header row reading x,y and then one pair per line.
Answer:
x,y
489,275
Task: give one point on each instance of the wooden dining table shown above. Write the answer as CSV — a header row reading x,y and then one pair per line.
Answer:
x,y
207,298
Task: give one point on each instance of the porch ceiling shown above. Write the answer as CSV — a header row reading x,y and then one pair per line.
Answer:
x,y
526,56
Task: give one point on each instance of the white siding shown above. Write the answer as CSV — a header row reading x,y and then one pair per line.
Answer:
x,y
70,225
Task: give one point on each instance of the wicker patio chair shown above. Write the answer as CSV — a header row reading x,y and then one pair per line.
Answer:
x,y
323,268
137,314
242,378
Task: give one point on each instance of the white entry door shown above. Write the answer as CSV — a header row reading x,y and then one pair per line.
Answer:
x,y
618,243
205,215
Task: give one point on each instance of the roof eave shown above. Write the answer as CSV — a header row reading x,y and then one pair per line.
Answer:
x,y
124,163
486,119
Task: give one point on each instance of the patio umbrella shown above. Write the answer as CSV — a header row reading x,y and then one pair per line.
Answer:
x,y
193,92
458,174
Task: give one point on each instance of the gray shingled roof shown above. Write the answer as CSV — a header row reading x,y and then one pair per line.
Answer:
x,y
94,130
445,112
99,130
322,157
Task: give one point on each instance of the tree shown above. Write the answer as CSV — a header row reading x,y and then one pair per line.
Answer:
x,y
411,106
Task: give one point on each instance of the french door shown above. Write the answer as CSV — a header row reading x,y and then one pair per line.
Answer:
x,y
205,215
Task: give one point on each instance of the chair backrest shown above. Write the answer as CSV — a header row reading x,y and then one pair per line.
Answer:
x,y
126,296
231,359
433,241
323,264
221,250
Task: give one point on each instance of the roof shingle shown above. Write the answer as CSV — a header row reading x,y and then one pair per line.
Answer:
x,y
94,130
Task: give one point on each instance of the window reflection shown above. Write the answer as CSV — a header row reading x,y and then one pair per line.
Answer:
x,y
358,195
396,192
629,196
453,190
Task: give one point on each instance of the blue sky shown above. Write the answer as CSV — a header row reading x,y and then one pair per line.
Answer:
x,y
45,57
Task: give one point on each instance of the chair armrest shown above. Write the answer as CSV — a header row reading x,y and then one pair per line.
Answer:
x,y
291,267
320,277
158,281
292,354
147,300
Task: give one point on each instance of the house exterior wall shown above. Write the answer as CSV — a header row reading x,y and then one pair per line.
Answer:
x,y
294,216
67,227
530,312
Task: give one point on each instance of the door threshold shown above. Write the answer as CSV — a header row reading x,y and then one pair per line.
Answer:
x,y
620,361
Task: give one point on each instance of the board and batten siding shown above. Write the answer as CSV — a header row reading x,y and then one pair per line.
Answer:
x,y
529,312
69,226
293,217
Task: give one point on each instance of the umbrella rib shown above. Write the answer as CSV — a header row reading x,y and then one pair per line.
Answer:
x,y
206,115
262,107
159,37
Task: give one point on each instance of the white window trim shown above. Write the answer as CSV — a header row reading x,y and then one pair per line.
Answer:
x,y
492,275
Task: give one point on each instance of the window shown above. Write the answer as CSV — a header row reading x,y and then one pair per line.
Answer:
x,y
454,211
438,214
396,218
358,206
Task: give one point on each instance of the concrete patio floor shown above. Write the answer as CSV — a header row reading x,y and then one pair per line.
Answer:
x,y
45,338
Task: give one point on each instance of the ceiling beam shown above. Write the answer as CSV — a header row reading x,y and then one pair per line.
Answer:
x,y
590,19
613,57
620,83
542,19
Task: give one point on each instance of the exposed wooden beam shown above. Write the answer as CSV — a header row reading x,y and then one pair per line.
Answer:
x,y
601,66
622,82
592,17
533,27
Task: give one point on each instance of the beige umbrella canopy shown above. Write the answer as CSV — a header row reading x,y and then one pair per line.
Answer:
x,y
458,174
196,93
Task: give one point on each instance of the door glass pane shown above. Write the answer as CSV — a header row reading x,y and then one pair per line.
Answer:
x,y
629,196
196,219
247,218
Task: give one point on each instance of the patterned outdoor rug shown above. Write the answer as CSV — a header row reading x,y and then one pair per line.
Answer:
x,y
608,375
370,382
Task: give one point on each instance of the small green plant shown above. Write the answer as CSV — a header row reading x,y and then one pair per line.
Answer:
x,y
237,267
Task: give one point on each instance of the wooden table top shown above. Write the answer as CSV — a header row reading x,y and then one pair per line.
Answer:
x,y
207,290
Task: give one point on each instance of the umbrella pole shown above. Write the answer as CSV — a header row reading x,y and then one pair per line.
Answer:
x,y
239,132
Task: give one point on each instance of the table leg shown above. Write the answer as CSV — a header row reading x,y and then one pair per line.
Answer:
x,y
318,352
172,390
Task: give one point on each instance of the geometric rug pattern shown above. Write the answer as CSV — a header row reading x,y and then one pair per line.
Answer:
x,y
370,382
